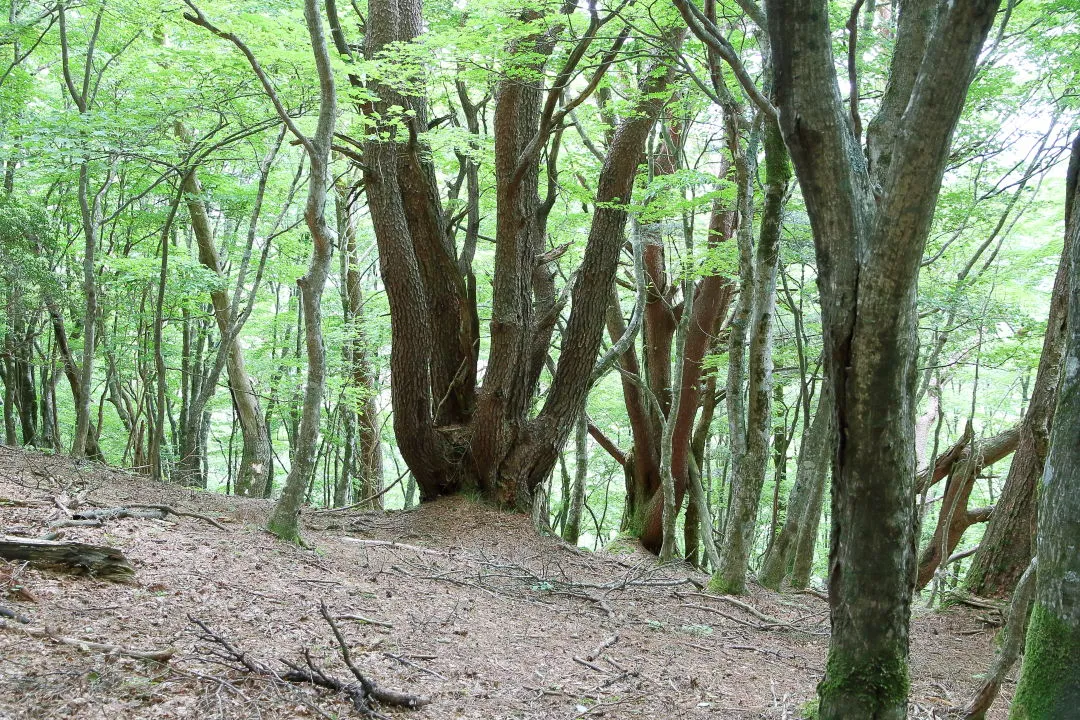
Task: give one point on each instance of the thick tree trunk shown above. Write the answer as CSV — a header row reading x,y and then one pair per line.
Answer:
x,y
870,237
1049,684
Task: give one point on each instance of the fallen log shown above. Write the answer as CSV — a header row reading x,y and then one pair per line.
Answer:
x,y
99,561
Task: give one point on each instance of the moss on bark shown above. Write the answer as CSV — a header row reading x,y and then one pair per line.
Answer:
x,y
1049,686
875,690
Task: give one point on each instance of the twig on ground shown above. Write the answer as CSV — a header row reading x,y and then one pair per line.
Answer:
x,y
410,663
586,663
156,655
602,647
74,523
218,648
392,544
365,620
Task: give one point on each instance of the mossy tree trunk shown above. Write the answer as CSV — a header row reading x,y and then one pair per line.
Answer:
x,y
871,214
1049,685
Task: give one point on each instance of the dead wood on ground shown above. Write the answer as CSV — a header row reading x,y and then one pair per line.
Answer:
x,y
220,649
100,561
42,632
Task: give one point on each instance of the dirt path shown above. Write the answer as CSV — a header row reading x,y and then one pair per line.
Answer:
x,y
470,607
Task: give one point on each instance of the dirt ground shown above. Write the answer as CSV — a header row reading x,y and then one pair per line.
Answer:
x,y
457,602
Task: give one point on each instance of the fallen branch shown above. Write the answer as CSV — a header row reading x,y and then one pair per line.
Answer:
x,y
602,647
360,693
156,655
144,512
55,524
98,560
392,544
409,663
364,620
768,620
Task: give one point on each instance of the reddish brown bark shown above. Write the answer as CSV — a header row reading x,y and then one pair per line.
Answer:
x,y
954,514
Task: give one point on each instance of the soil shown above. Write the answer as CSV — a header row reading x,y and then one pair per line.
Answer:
x,y
470,608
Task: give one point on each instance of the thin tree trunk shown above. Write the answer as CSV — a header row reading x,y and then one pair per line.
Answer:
x,y
750,471
284,522
572,527
779,562
1014,633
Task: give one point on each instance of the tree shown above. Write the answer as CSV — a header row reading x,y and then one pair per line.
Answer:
x,y
1049,684
284,521
871,215
452,432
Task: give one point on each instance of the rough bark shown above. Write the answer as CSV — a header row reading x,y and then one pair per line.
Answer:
x,y
97,560
1049,684
869,238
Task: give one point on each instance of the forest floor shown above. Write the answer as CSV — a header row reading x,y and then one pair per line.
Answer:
x,y
469,607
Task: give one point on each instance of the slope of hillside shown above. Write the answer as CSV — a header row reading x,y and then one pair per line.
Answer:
x,y
459,603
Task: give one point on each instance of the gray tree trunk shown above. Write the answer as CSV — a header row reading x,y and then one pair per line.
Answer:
x,y
749,476
806,496
1049,684
870,227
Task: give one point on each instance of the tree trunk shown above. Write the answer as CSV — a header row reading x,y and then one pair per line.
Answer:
x,y
1008,543
870,227
750,470
1049,684
954,513
779,562
363,448
576,502
502,448
1015,631
284,521
256,459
